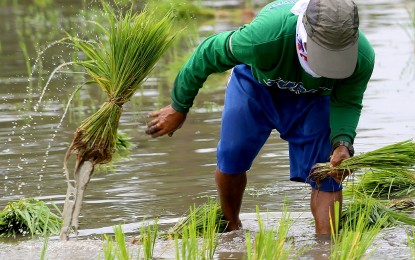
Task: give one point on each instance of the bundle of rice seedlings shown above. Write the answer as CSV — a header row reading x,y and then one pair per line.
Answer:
x,y
202,218
398,156
374,210
29,216
383,183
118,62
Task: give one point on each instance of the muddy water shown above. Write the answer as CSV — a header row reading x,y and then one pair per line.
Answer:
x,y
161,178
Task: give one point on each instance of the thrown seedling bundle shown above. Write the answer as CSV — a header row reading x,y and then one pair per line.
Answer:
x,y
395,157
118,61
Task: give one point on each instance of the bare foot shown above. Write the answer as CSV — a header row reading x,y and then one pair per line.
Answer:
x,y
233,226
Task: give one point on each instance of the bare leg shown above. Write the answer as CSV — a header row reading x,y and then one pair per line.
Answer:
x,y
231,189
322,207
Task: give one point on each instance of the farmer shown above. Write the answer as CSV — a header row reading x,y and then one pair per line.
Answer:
x,y
300,68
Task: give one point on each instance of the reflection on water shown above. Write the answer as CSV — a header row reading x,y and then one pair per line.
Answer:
x,y
163,177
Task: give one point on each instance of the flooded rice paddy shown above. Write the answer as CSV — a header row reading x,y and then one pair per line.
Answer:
x,y
161,178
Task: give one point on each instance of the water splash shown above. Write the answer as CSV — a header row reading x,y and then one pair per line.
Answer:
x,y
52,139
36,107
40,54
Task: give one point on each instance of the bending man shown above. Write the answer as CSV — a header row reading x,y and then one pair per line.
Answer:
x,y
300,68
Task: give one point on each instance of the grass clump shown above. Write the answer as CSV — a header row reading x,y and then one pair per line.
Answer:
x,y
29,217
395,157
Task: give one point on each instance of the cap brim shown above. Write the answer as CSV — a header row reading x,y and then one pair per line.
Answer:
x,y
337,64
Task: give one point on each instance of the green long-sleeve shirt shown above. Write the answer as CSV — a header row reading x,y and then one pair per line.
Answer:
x,y
268,46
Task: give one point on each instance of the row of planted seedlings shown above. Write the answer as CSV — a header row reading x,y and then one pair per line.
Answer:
x,y
197,236
380,197
377,199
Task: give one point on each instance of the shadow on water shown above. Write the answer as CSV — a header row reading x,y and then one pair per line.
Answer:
x,y
162,177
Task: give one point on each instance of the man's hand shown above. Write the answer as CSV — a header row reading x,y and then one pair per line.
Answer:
x,y
339,154
165,121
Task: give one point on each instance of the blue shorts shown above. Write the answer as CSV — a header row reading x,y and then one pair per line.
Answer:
x,y
253,110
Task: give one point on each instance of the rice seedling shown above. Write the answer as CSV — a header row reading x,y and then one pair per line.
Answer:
x,y
207,217
196,237
29,216
44,248
116,249
187,243
211,237
148,237
356,236
394,157
384,183
118,62
411,241
272,243
109,248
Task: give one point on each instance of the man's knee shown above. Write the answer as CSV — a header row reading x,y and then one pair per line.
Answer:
x,y
235,158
